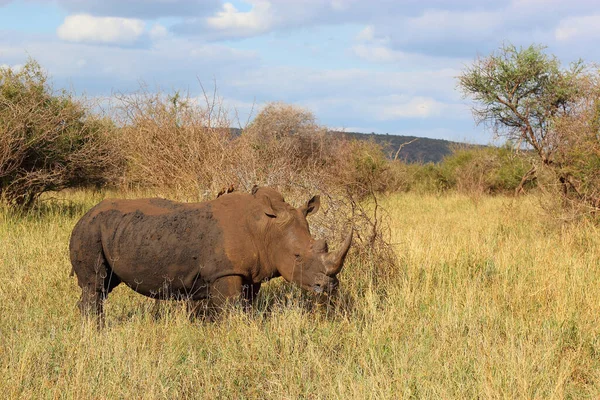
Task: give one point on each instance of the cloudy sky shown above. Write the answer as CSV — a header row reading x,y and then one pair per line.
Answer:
x,y
384,66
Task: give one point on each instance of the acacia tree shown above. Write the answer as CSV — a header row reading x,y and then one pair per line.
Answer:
x,y
525,95
519,92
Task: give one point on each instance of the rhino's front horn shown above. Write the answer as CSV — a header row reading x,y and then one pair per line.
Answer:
x,y
335,262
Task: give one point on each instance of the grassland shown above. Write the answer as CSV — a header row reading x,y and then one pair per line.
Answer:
x,y
491,299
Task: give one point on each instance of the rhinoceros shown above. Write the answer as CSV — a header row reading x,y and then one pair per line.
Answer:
x,y
219,249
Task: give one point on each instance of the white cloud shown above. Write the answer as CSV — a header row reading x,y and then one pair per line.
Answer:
x,y
384,64
441,34
170,62
233,22
268,16
284,83
83,28
586,27
366,34
158,32
533,3
417,107
441,21
338,5
378,53
544,4
396,107
439,26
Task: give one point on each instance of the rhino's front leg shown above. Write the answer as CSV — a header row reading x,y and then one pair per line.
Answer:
x,y
250,294
223,292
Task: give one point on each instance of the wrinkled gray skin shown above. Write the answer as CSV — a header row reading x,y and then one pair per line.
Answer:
x,y
222,249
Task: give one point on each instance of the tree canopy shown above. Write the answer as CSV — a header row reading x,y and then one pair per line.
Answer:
x,y
519,92
526,96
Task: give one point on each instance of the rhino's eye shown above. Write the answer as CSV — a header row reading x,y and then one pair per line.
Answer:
x,y
298,257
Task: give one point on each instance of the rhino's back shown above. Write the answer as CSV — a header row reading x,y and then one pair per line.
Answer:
x,y
152,242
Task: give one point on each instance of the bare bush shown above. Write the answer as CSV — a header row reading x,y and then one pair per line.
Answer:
x,y
285,145
171,141
181,143
49,141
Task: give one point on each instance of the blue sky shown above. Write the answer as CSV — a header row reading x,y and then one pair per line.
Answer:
x,y
384,66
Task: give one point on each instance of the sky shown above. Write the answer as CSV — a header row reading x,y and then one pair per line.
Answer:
x,y
383,66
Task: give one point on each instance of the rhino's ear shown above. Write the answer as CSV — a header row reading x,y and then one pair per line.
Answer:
x,y
267,206
265,202
312,206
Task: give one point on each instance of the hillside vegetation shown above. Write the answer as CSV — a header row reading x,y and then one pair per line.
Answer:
x,y
410,149
486,302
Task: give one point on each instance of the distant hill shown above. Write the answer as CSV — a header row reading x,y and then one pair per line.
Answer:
x,y
420,150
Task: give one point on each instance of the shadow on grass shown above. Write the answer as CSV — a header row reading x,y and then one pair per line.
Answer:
x,y
274,299
271,300
50,207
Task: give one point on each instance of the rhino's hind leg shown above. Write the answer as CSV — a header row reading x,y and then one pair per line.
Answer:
x,y
91,304
156,309
96,280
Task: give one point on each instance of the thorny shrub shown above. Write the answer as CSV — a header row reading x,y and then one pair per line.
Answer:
x,y
171,141
48,140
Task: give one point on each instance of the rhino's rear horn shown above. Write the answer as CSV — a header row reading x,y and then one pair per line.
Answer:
x,y
335,262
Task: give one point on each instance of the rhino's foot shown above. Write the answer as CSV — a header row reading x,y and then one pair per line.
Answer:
x,y
91,305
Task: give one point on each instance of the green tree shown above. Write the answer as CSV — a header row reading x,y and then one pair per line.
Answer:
x,y
525,95
518,92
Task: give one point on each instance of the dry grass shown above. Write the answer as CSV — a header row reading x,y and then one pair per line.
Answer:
x,y
487,302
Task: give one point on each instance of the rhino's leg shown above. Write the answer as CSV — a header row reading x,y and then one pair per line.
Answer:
x,y
224,292
196,309
96,280
91,304
156,309
250,293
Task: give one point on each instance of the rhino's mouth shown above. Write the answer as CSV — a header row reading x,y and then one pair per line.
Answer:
x,y
325,289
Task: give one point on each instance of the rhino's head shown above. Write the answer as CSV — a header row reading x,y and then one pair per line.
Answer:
x,y
290,248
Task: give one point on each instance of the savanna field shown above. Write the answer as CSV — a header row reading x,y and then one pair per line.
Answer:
x,y
491,298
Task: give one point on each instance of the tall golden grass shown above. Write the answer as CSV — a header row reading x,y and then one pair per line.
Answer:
x,y
489,300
